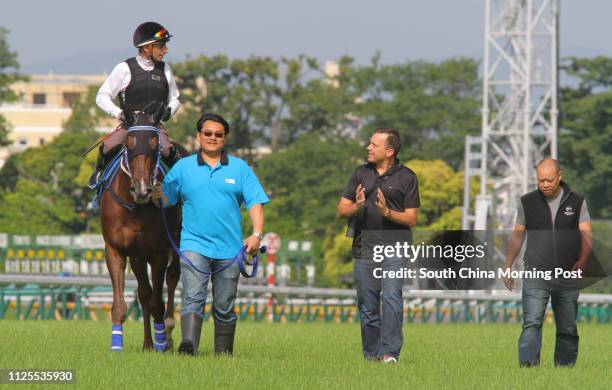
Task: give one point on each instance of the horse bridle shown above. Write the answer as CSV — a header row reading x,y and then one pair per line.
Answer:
x,y
140,150
143,150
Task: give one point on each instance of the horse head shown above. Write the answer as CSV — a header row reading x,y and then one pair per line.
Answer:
x,y
143,157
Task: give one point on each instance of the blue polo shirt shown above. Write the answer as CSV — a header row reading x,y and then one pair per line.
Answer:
x,y
211,198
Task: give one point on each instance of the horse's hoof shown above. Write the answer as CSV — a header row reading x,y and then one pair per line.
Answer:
x,y
169,322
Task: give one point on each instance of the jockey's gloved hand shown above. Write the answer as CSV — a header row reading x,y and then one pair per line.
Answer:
x,y
161,114
127,117
167,114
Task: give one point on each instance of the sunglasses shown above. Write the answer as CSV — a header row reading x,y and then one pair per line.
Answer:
x,y
217,134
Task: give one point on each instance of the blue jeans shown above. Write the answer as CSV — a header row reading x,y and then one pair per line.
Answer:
x,y
564,297
195,287
381,307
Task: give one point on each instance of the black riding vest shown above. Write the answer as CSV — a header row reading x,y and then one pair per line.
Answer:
x,y
145,86
551,245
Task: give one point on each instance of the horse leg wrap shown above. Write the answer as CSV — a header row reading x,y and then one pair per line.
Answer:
x,y
117,339
191,327
161,341
224,337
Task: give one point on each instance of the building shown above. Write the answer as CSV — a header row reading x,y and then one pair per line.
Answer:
x,y
44,105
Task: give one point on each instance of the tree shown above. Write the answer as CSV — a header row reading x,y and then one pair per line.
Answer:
x,y
337,260
585,139
432,106
266,102
9,174
242,91
324,104
441,194
8,75
86,115
33,209
45,198
305,181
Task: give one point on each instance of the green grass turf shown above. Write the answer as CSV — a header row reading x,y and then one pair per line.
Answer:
x,y
313,355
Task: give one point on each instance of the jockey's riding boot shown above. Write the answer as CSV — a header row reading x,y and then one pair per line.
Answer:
x,y
95,176
191,327
224,337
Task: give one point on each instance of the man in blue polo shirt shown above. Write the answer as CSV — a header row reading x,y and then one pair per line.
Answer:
x,y
211,186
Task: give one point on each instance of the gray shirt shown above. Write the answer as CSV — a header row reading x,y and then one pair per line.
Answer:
x,y
553,204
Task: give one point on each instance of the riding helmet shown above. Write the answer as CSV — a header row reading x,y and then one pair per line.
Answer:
x,y
149,32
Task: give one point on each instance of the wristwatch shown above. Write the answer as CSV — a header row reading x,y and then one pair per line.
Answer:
x,y
258,235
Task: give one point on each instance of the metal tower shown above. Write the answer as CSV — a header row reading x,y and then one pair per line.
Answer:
x,y
519,109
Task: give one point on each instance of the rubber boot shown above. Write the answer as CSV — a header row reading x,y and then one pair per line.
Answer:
x,y
191,328
224,337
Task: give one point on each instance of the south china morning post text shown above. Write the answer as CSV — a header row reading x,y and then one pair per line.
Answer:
x,y
452,253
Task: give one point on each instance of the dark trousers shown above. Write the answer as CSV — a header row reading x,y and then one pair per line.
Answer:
x,y
380,306
564,300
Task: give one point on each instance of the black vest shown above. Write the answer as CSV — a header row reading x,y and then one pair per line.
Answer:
x,y
145,86
552,244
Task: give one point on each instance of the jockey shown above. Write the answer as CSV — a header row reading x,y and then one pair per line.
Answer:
x,y
141,81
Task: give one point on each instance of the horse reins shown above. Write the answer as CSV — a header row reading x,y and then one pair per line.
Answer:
x,y
240,258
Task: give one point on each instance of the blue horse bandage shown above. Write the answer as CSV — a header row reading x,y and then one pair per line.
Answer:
x,y
160,341
117,339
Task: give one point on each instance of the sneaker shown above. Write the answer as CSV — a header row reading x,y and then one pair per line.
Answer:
x,y
388,359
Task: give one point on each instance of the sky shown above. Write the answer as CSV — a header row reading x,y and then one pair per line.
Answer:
x,y
70,36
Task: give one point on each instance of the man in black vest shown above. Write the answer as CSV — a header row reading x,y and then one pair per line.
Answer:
x,y
382,198
142,81
556,221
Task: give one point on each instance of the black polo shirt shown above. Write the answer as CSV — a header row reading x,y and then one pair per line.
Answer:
x,y
400,187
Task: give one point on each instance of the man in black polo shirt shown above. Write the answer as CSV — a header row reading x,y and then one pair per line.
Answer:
x,y
556,221
382,201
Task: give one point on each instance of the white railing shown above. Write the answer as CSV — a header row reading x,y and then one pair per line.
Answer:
x,y
498,296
